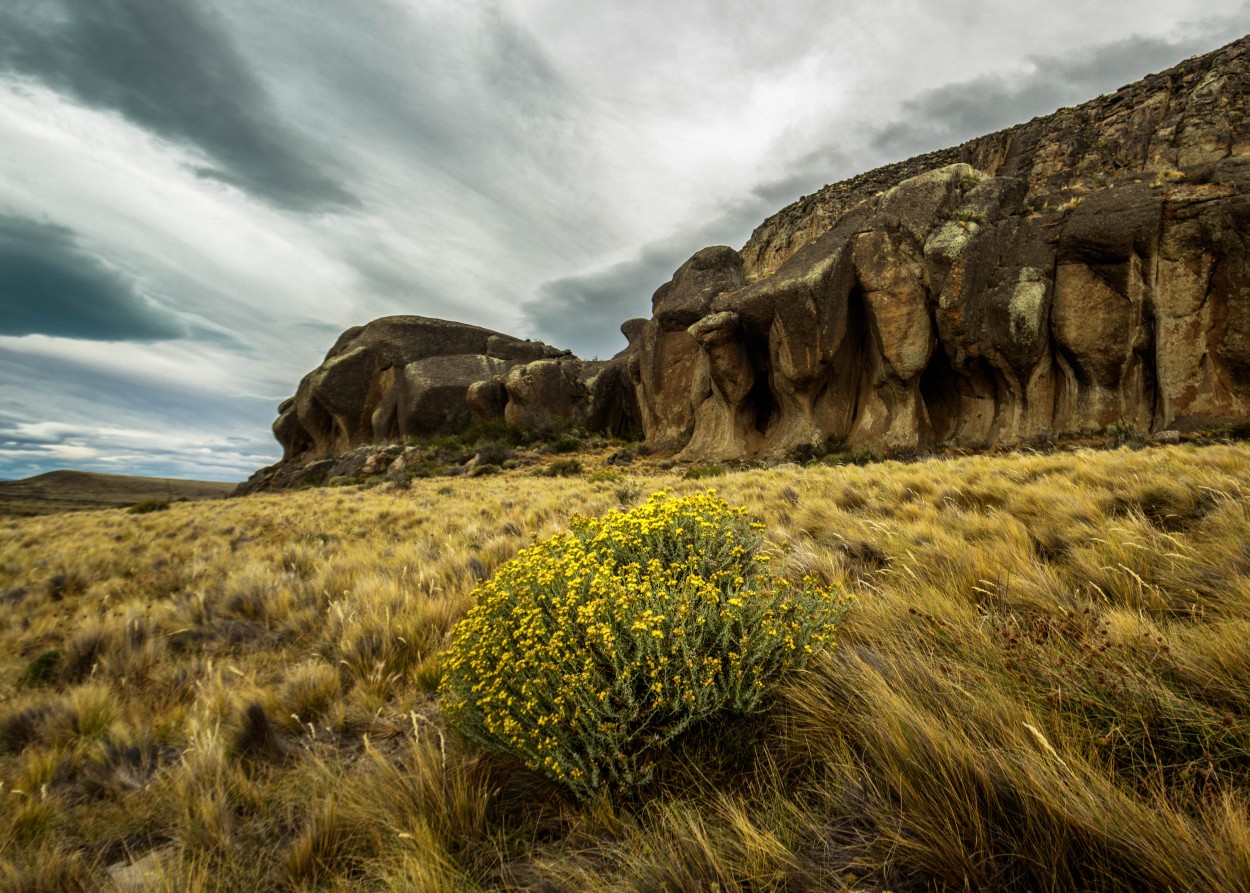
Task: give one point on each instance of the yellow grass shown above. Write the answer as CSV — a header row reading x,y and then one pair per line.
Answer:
x,y
1044,685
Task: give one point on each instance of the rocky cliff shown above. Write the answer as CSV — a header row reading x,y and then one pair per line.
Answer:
x,y
1085,269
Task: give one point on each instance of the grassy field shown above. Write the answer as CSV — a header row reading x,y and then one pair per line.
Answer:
x,y
1043,684
62,491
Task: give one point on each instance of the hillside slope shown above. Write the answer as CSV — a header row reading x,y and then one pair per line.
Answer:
x,y
67,490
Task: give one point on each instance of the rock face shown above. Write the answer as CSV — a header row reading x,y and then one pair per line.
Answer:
x,y
403,376
1085,269
395,377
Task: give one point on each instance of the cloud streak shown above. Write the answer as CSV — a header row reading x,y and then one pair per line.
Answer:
x,y
955,113
171,68
50,285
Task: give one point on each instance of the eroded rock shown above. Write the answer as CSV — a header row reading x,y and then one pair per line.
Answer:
x,y
1089,268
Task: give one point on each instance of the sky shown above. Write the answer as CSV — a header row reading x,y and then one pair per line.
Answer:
x,y
198,196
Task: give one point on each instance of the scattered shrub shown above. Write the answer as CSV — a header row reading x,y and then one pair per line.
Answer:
x,y
44,669
565,443
1240,431
145,506
699,472
494,453
561,468
69,584
346,480
857,456
620,457
590,652
628,494
805,453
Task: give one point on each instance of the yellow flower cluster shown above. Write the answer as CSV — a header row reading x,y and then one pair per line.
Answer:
x,y
587,653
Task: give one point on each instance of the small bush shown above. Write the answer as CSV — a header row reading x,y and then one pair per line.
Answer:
x,y
699,472
561,468
1240,431
494,453
44,669
565,443
806,453
857,456
620,457
68,584
588,653
149,505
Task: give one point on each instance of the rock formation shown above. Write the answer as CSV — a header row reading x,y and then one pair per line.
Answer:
x,y
411,376
1085,269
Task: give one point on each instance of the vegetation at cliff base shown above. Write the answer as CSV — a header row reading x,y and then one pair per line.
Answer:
x,y
1043,683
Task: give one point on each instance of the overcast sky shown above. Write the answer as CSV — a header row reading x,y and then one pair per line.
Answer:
x,y
197,196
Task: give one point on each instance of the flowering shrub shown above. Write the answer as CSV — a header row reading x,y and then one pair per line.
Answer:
x,y
587,653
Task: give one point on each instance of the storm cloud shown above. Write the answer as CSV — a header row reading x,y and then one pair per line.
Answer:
x,y
588,309
955,113
169,66
49,285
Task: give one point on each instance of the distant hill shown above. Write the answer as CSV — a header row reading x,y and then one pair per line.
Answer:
x,y
61,491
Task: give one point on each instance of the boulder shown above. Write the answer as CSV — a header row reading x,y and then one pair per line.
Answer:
x,y
546,395
395,377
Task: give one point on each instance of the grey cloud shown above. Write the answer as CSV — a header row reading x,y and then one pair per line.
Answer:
x,y
49,285
955,113
584,312
96,449
153,427
168,66
485,123
805,175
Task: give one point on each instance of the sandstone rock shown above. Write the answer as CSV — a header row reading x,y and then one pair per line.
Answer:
x,y
395,377
1069,274
487,399
1087,269
432,396
546,395
684,299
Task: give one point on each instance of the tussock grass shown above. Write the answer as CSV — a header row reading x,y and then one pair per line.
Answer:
x,y
1044,685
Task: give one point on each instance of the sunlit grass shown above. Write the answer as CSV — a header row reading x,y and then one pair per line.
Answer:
x,y
1044,684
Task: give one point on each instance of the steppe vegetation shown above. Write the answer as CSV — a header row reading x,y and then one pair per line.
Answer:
x,y
1043,684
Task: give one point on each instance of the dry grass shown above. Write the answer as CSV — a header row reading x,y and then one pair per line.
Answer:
x,y
1044,685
